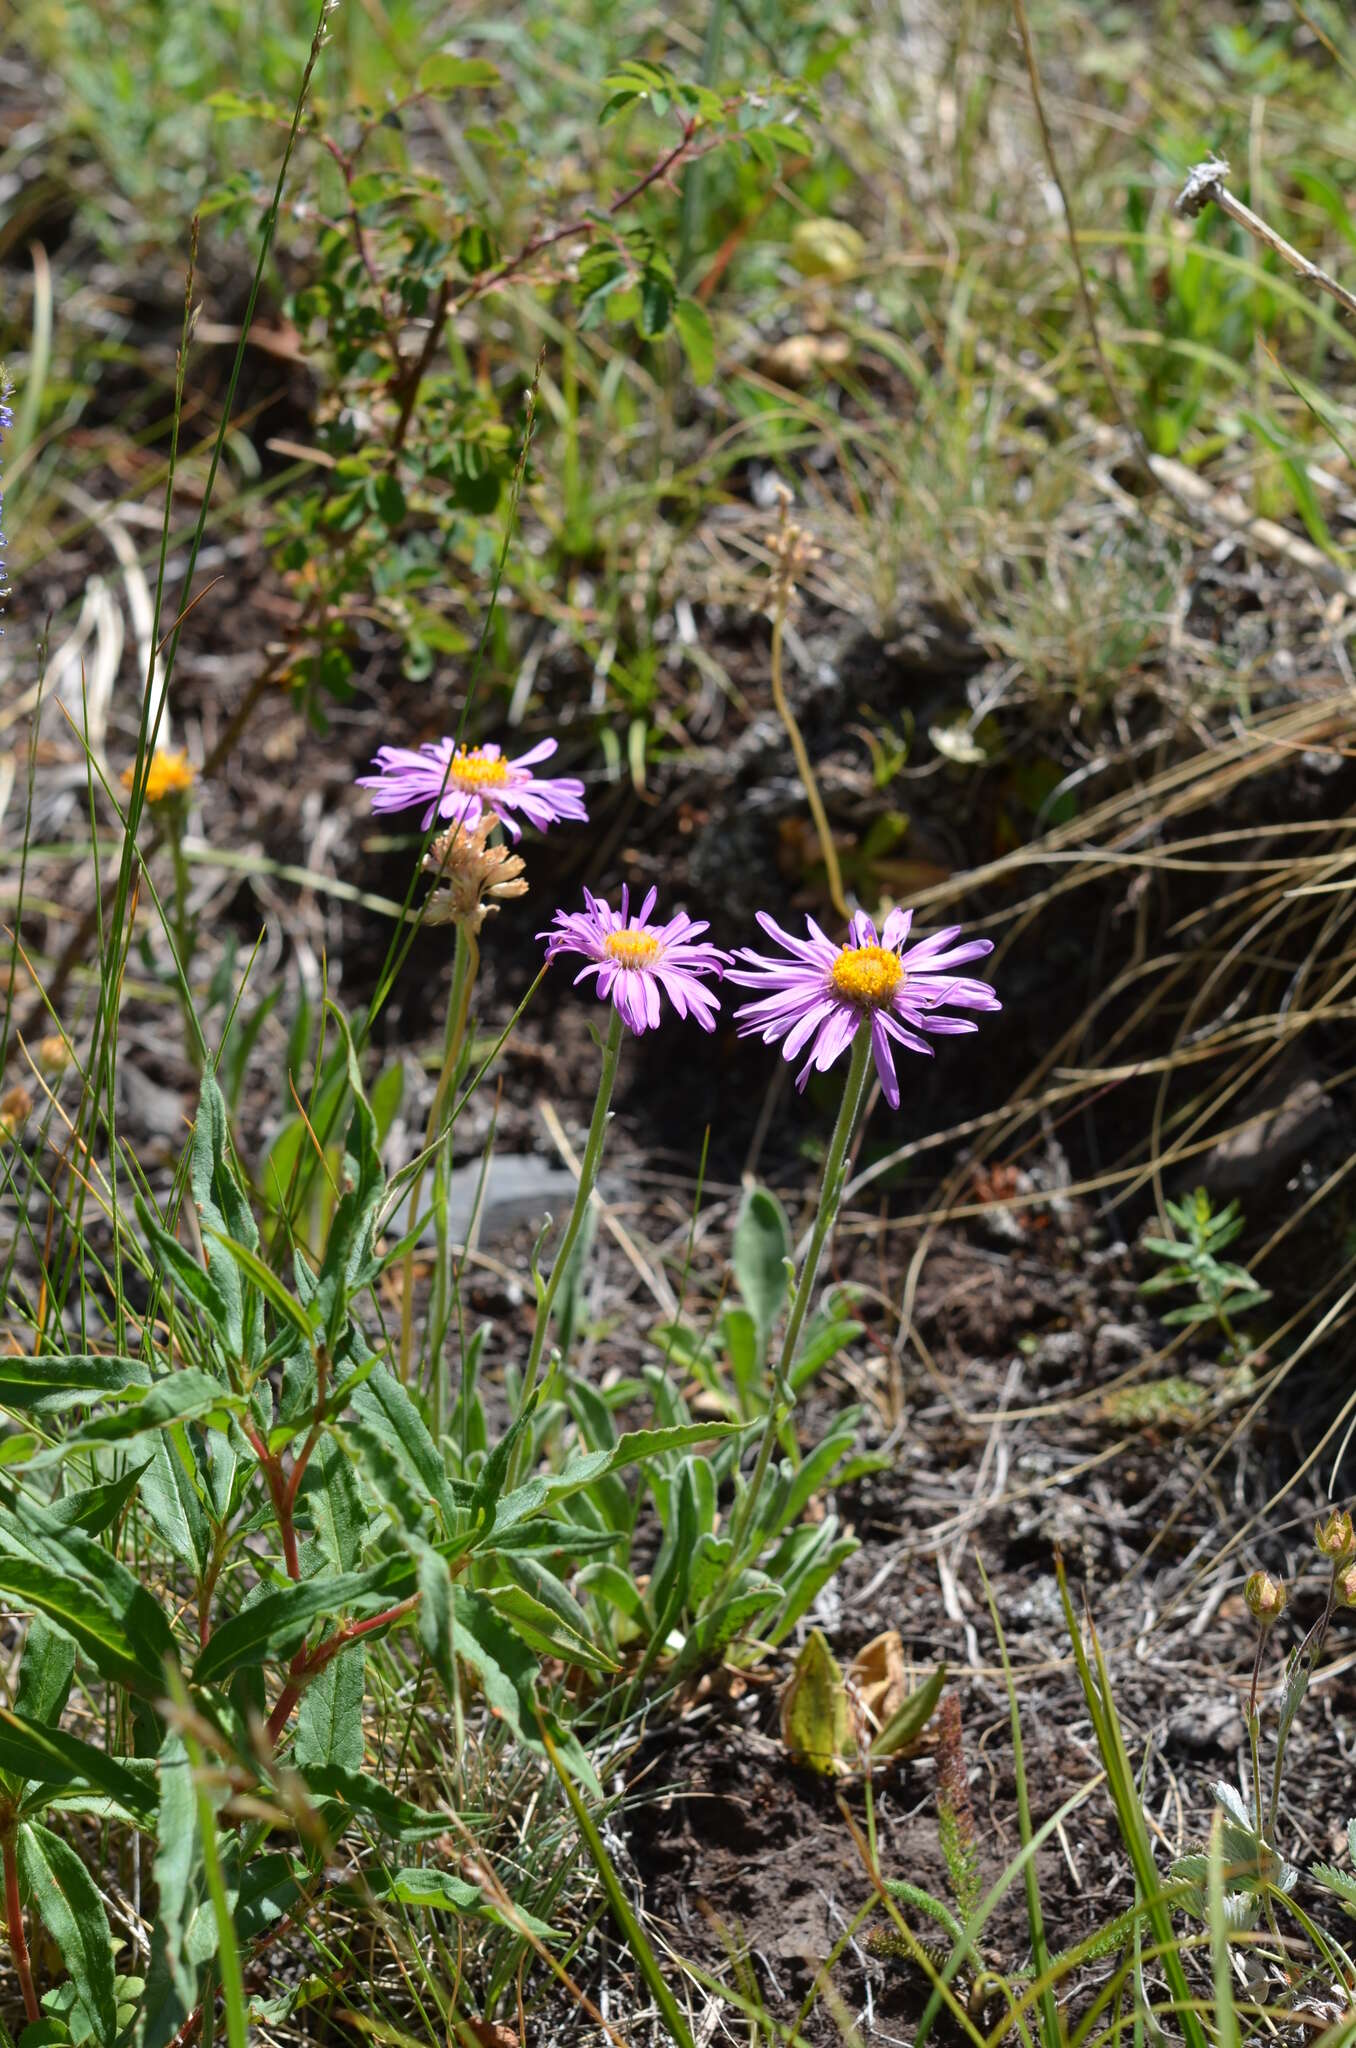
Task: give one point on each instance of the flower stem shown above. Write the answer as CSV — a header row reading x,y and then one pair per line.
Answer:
x,y
830,1196
14,1919
465,961
833,874
588,1176
183,931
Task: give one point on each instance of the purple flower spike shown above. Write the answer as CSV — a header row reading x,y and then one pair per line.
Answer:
x,y
827,994
461,783
634,959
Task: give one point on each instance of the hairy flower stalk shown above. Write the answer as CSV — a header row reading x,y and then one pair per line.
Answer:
x,y
6,422
633,962
864,998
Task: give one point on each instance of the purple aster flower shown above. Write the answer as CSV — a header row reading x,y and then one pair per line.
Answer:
x,y
461,783
827,994
634,959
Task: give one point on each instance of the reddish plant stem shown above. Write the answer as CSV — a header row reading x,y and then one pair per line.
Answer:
x,y
18,1947
444,304
306,1667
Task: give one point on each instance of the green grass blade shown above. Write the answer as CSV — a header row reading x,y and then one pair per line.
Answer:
x,y
641,1952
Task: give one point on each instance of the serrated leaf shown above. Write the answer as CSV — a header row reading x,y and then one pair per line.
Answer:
x,y
67,1901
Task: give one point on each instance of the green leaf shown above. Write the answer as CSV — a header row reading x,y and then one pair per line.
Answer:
x,y
385,1406
445,73
95,1508
266,1280
330,1496
274,1625
507,1671
46,1669
814,1708
185,1270
476,249
762,1247
697,337
28,1386
172,1980
330,1718
169,1492
188,1396
910,1719
31,1750
65,1575
369,1798
224,1212
67,1902
656,305
436,1890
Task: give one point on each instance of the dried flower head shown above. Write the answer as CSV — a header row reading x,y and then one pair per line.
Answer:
x,y
792,548
54,1055
166,775
16,1107
1335,1539
1265,1597
471,877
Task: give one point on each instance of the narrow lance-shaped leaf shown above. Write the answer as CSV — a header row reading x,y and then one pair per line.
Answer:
x,y
66,1900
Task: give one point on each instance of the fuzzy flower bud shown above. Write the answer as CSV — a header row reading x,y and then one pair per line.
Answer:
x,y
1345,1586
1335,1539
1265,1597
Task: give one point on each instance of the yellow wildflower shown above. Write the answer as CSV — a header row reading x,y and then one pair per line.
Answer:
x,y
167,775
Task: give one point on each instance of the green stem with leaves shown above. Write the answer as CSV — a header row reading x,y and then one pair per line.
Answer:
x,y
830,1196
583,1194
14,1917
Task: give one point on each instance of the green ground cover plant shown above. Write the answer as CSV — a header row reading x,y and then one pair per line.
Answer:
x,y
341,1618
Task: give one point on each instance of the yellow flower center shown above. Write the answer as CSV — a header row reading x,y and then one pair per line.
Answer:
x,y
472,768
867,974
633,949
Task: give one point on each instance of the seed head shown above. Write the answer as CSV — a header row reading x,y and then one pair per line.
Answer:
x,y
471,876
16,1107
54,1055
1335,1539
1265,1597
